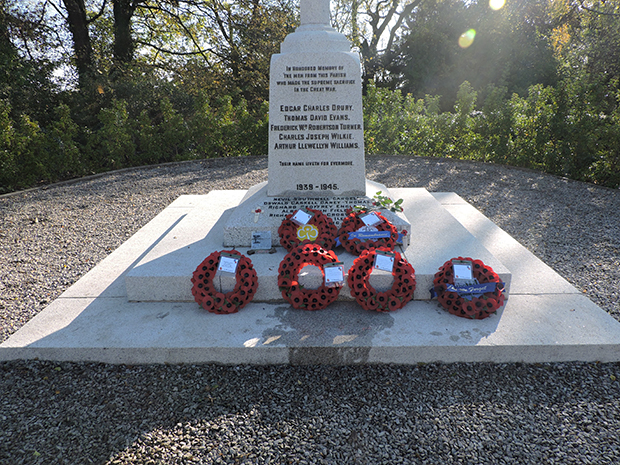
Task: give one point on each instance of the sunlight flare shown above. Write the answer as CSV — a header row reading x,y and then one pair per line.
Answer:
x,y
467,38
497,4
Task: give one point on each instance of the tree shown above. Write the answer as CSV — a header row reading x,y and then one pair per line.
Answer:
x,y
24,77
8,53
506,48
218,46
77,21
123,39
375,36
587,37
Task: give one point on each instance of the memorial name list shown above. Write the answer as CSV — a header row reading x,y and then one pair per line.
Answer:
x,y
316,136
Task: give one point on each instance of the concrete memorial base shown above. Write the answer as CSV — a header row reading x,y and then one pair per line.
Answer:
x,y
434,236
244,220
136,305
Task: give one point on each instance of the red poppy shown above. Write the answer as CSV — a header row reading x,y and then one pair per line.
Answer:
x,y
207,303
372,304
478,307
298,297
394,303
206,295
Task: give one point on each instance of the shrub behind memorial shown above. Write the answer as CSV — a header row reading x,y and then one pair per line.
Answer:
x,y
554,129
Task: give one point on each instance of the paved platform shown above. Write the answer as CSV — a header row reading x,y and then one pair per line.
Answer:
x,y
161,274
545,319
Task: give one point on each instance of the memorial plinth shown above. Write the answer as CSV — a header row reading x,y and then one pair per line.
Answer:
x,y
163,272
546,319
246,218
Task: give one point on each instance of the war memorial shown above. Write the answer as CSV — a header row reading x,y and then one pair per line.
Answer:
x,y
175,291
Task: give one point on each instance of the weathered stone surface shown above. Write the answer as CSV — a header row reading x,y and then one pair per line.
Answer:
x,y
244,219
316,132
316,127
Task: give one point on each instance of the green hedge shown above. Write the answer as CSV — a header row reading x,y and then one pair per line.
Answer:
x,y
31,154
562,130
558,130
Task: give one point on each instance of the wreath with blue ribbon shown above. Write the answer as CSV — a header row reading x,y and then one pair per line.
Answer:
x,y
476,301
357,243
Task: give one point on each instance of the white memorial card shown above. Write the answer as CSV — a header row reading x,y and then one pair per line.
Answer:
x,y
301,216
371,219
228,263
462,270
384,261
334,274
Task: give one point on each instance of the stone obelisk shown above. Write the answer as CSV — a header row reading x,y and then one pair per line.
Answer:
x,y
316,134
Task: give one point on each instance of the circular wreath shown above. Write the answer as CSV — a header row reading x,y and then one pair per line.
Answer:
x,y
325,225
288,277
356,246
210,299
478,307
369,298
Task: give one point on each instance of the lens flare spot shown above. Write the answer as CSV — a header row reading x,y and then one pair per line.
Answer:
x,y
467,38
497,4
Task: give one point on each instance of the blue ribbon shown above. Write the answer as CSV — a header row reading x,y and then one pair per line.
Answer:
x,y
470,291
365,235
385,234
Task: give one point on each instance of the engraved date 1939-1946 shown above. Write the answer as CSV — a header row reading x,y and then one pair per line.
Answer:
x,y
321,187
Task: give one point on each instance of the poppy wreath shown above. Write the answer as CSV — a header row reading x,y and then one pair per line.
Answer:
x,y
327,231
210,299
288,277
478,307
356,246
369,298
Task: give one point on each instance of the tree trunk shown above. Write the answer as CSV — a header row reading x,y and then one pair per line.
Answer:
x,y
123,41
78,26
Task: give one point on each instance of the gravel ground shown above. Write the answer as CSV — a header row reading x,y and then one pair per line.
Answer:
x,y
78,413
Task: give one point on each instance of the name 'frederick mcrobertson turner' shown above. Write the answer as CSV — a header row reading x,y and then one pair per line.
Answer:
x,y
316,127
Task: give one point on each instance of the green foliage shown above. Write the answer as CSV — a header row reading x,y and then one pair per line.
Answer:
x,y
60,150
510,49
564,130
538,87
21,142
124,134
111,145
221,129
558,129
384,115
383,201
495,126
8,165
30,154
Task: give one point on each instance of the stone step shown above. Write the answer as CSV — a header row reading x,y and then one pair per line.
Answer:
x,y
164,272
545,320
